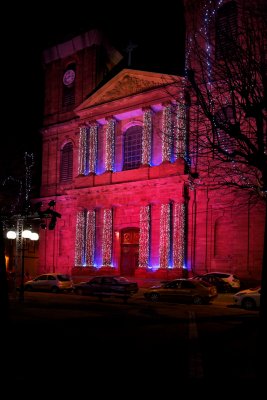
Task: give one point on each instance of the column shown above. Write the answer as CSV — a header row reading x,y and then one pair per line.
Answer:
x,y
80,239
167,133
147,137
180,131
178,235
92,147
144,238
90,238
165,240
107,238
83,151
109,144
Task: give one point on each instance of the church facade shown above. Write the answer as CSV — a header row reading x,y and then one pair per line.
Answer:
x,y
117,163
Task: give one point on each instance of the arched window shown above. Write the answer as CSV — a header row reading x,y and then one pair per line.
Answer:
x,y
132,147
66,165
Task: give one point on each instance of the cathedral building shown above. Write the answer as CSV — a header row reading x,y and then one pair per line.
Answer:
x,y
118,164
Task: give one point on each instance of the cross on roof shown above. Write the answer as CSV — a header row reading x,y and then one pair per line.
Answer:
x,y
131,46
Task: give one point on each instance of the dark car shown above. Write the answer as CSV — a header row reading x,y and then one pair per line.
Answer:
x,y
221,285
183,290
107,286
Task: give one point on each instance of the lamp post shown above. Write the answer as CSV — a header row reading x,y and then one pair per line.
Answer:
x,y
26,234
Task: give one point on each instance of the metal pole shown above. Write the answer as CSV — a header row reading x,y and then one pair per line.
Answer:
x,y
21,292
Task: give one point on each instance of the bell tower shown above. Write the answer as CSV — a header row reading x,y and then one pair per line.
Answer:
x,y
72,70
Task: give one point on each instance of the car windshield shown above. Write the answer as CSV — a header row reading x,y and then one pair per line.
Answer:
x,y
122,279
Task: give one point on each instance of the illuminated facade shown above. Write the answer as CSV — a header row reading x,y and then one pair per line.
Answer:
x,y
116,159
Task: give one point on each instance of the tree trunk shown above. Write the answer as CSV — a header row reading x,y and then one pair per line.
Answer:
x,y
3,279
263,304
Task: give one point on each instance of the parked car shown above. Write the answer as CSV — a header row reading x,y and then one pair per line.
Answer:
x,y
107,286
221,285
53,282
184,290
232,279
249,298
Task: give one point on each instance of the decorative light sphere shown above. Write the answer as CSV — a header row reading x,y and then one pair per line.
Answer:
x,y
11,235
34,236
26,234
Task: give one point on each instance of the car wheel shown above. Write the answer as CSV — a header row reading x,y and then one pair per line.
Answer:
x,y
79,292
197,300
54,289
154,297
248,304
125,299
28,288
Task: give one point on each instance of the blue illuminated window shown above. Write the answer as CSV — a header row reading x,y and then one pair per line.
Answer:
x,y
132,148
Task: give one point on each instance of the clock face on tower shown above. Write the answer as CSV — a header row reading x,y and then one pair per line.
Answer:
x,y
68,77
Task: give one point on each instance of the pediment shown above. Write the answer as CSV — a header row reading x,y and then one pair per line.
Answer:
x,y
126,83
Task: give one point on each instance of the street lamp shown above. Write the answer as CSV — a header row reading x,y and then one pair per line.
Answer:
x,y
25,234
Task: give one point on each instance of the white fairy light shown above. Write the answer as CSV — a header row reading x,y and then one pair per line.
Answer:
x,y
178,235
165,242
80,238
90,238
107,238
180,131
144,239
167,133
146,139
92,148
109,144
83,151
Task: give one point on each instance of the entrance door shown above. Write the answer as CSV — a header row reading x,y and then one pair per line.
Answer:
x,y
129,251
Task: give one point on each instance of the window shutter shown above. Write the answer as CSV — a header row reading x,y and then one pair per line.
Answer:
x,y
66,166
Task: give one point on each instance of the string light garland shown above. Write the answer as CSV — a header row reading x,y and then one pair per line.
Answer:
x,y
144,238
83,151
165,242
209,12
109,144
92,148
29,162
178,235
107,238
80,239
146,138
180,131
90,238
167,133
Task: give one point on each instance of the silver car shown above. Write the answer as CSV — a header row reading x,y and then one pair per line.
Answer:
x,y
228,277
249,299
53,282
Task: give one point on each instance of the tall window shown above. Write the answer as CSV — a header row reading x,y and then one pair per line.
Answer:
x,y
133,147
66,165
226,122
226,31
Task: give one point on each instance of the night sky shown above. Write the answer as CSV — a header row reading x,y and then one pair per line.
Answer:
x,y
158,32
